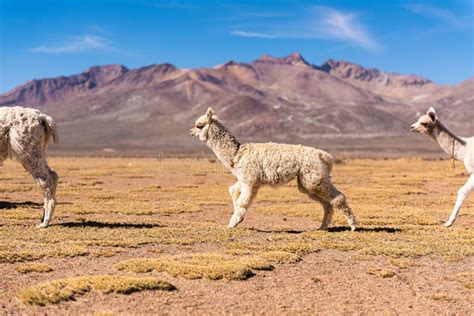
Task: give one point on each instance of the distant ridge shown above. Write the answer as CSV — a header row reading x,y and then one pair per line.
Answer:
x,y
283,99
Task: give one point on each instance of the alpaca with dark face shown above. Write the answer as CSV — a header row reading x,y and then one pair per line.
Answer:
x,y
459,148
273,164
24,136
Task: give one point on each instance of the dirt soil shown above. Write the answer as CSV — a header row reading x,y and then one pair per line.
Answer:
x,y
400,261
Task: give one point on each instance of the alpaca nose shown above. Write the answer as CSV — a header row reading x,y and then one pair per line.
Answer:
x,y
412,128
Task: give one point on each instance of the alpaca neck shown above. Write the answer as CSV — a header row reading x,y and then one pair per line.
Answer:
x,y
453,145
223,144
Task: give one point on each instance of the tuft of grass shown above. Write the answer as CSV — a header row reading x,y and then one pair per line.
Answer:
x,y
56,291
469,285
466,279
383,273
386,273
12,256
401,263
33,267
212,266
439,296
19,256
280,256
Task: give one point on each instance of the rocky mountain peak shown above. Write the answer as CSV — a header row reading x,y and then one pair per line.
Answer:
x,y
295,59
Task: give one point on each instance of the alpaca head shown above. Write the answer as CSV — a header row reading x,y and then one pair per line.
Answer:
x,y
425,123
201,127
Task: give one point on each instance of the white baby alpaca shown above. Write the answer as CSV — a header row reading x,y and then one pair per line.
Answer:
x,y
24,136
460,148
275,164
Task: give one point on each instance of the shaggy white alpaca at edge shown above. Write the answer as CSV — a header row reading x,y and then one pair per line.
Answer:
x,y
275,164
459,148
24,136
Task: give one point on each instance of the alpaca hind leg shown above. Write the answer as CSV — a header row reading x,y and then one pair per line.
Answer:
x,y
47,179
321,189
247,193
328,211
463,193
340,202
336,200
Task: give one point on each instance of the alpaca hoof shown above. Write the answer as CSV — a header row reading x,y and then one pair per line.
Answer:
x,y
234,222
42,225
353,228
323,228
448,224
232,225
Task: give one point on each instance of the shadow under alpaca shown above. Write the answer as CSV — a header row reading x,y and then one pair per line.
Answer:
x,y
97,224
334,229
6,205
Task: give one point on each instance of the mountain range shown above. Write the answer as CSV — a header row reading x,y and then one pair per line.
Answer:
x,y
337,104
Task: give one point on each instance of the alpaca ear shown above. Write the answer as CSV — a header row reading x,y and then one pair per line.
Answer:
x,y
432,114
209,114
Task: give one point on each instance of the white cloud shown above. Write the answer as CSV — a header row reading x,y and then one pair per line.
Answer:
x,y
345,26
434,12
251,34
315,23
75,45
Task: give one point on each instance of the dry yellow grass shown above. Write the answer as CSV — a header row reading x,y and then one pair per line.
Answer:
x,y
53,292
439,296
401,263
124,208
397,217
382,272
208,265
466,279
13,255
33,267
280,256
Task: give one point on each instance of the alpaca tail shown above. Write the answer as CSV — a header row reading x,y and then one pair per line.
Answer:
x,y
50,129
327,159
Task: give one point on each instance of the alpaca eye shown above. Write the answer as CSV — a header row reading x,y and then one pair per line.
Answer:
x,y
424,124
200,126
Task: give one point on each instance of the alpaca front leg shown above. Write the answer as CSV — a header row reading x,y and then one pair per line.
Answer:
x,y
48,212
241,204
234,191
463,193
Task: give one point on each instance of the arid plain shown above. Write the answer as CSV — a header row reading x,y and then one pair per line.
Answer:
x,y
137,235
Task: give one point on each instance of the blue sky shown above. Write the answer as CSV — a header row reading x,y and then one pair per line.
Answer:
x,y
41,39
